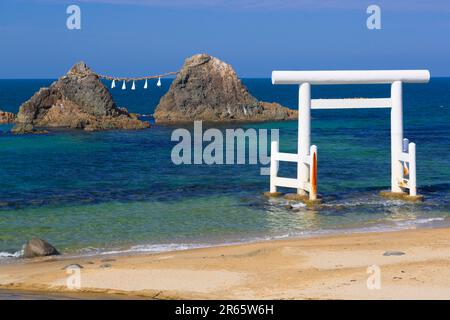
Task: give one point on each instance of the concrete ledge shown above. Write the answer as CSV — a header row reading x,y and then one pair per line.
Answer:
x,y
401,196
303,198
272,194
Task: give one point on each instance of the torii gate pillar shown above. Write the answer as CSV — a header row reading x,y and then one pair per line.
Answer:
x,y
396,135
304,135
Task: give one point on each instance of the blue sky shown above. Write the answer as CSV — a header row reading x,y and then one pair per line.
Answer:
x,y
143,37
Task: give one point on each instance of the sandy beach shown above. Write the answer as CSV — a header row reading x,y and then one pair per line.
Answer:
x,y
331,267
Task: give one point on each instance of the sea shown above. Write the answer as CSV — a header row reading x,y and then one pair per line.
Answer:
x,y
119,191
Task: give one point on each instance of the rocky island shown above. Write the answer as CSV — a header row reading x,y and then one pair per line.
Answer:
x,y
7,117
208,89
78,100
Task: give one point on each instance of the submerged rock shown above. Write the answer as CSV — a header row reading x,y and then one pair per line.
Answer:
x,y
208,89
38,248
78,100
7,117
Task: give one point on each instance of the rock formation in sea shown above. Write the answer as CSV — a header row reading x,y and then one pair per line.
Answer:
x,y
38,248
208,89
7,117
78,100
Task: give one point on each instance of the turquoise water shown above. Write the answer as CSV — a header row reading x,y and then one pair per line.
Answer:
x,y
119,190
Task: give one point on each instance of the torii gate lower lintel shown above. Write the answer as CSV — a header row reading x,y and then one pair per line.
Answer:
x,y
403,153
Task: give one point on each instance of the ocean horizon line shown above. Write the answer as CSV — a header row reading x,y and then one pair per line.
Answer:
x,y
240,77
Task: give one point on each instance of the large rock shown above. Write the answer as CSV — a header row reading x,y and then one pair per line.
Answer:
x,y
38,248
208,89
7,117
78,100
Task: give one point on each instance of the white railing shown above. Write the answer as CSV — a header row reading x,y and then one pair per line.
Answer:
x,y
407,158
310,161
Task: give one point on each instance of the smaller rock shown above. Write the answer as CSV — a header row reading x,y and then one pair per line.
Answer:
x,y
393,253
7,117
108,260
38,248
78,100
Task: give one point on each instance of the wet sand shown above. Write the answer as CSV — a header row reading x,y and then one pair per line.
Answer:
x,y
413,264
9,294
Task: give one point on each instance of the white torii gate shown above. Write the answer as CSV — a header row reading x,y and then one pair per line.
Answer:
x,y
403,153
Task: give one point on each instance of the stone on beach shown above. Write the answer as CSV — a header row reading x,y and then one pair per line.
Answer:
x,y
393,253
208,89
38,248
78,100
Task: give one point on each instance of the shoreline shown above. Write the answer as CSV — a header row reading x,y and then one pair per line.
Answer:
x,y
322,267
142,249
12,294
